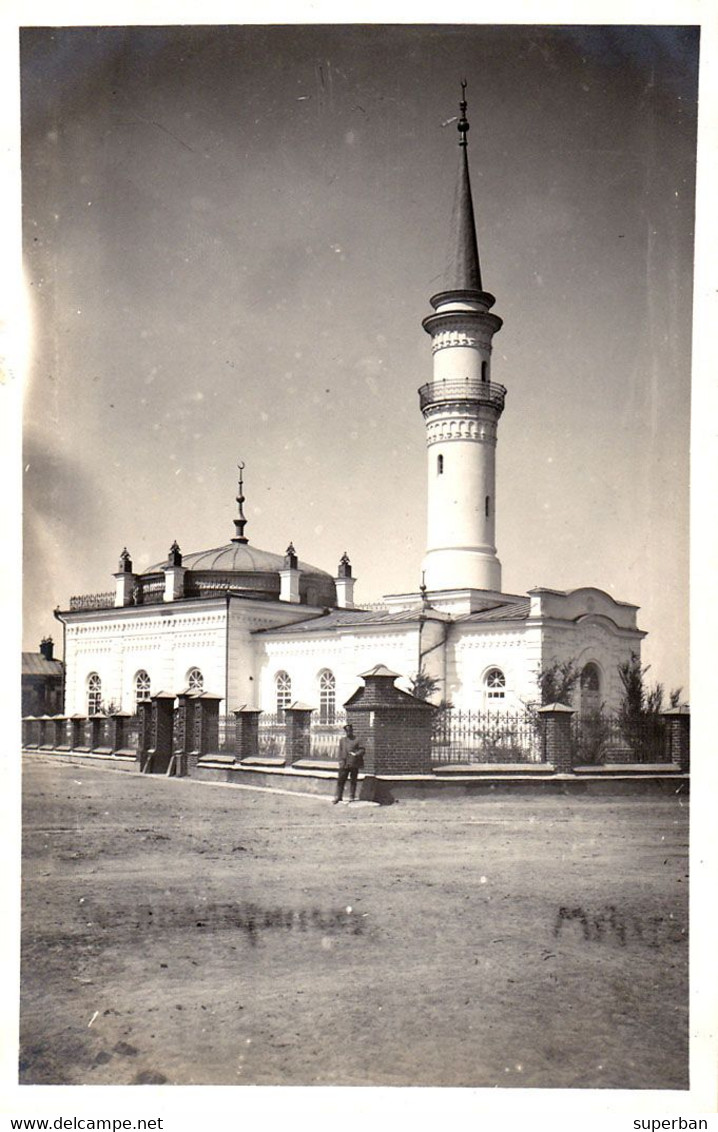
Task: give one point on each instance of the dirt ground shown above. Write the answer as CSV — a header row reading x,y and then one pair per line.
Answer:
x,y
192,934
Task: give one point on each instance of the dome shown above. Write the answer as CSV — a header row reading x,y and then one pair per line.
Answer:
x,y
239,569
236,557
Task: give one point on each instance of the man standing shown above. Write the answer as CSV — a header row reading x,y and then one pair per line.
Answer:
x,y
351,758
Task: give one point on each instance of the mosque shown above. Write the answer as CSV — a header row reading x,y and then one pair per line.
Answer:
x,y
266,630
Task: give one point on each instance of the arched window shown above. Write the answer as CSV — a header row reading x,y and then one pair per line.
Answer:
x,y
590,689
283,686
142,687
327,696
484,371
494,685
195,680
439,465
94,694
487,506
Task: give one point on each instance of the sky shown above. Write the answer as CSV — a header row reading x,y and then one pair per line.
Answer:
x,y
231,236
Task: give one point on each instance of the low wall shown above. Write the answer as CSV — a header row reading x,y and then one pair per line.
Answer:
x,y
492,780
119,761
310,778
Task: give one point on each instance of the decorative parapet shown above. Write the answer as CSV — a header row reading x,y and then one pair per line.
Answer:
x,y
92,601
470,389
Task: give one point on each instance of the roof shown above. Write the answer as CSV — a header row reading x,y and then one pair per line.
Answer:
x,y
344,619
368,618
509,611
35,664
380,670
463,270
236,556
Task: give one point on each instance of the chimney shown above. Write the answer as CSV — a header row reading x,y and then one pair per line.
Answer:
x,y
289,577
47,647
344,583
174,574
125,579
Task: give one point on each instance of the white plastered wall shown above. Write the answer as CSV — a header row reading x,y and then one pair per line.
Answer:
x,y
515,649
166,643
593,639
345,653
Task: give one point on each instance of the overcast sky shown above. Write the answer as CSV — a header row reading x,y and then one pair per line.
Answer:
x,y
232,235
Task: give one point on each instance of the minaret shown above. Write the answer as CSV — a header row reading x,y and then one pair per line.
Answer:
x,y
461,408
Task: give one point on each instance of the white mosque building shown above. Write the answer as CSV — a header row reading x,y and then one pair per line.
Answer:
x,y
265,629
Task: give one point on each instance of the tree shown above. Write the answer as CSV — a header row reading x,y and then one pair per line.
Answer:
x,y
641,706
557,681
423,685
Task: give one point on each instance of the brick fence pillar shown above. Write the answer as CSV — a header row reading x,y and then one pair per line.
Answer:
x,y
393,726
206,727
77,731
96,724
297,718
118,731
183,732
156,759
678,728
29,732
52,734
63,734
144,716
556,730
47,732
246,732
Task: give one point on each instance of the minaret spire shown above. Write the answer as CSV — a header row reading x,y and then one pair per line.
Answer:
x,y
240,523
461,406
463,269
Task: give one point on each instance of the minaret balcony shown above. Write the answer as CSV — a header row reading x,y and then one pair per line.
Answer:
x,y
468,389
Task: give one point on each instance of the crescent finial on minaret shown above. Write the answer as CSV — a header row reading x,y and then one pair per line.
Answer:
x,y
463,123
240,522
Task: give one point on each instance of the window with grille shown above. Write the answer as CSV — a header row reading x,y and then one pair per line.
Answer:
x,y
495,684
94,694
195,680
327,697
142,687
283,686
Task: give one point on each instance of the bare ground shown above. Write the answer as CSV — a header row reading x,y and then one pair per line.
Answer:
x,y
192,934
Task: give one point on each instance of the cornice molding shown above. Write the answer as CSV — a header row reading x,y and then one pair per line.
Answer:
x,y
447,428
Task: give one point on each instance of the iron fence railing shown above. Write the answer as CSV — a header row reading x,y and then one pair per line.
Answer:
x,y
226,734
466,737
325,734
462,738
131,733
272,735
604,737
